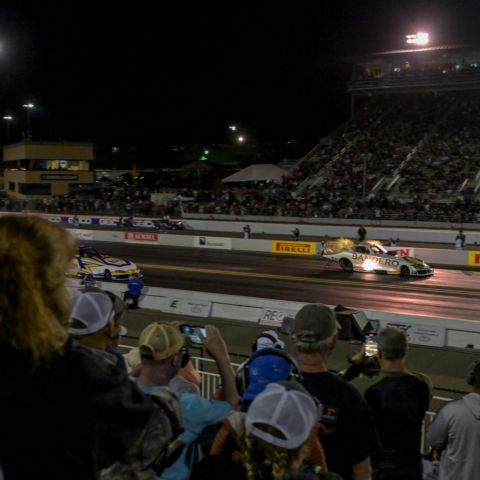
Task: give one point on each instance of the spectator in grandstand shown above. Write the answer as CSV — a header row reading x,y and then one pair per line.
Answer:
x,y
456,432
76,221
362,233
347,435
47,379
398,401
163,351
247,231
134,286
296,234
96,322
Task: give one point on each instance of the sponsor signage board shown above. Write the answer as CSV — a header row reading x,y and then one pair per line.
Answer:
x,y
474,259
423,334
183,306
141,237
294,248
402,251
196,308
274,317
212,242
171,304
82,234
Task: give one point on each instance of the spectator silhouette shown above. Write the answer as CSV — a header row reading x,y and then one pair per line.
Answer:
x,y
47,379
398,401
456,432
347,435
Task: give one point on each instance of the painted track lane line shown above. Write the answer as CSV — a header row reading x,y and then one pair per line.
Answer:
x,y
292,278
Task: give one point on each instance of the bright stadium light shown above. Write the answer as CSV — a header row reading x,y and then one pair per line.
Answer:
x,y
241,139
233,128
419,38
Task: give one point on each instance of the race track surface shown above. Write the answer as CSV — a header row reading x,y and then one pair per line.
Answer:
x,y
449,293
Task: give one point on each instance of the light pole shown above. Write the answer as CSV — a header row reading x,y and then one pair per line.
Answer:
x,y
8,119
28,107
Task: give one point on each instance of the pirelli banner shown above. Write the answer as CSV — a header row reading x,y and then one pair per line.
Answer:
x,y
294,248
474,259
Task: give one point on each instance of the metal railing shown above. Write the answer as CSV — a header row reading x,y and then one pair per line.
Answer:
x,y
211,384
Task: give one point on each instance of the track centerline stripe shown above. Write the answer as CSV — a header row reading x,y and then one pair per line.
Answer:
x,y
290,278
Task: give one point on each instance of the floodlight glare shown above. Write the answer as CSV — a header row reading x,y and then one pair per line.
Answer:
x,y
240,139
419,38
8,117
232,128
28,105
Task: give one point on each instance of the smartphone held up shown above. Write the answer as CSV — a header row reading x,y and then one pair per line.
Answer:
x,y
191,331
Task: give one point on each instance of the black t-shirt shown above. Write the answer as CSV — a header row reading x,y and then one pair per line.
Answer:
x,y
348,436
398,402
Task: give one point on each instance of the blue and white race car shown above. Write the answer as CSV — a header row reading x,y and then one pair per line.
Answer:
x,y
105,267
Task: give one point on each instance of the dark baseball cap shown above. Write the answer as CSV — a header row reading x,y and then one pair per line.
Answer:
x,y
314,323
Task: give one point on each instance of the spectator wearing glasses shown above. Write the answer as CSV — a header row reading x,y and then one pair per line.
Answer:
x,y
163,351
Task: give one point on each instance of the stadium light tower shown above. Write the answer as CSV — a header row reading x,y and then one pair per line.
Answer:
x,y
8,119
420,38
28,107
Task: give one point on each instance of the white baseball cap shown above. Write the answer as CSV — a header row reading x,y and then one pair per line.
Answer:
x,y
287,407
92,308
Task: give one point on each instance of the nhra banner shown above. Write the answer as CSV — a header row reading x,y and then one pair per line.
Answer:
x,y
294,248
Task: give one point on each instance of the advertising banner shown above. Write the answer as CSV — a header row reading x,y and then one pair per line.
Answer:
x,y
135,237
402,251
422,334
197,308
274,317
82,234
474,259
182,306
171,304
213,242
294,248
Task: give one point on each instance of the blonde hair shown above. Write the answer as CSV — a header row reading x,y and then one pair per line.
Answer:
x,y
264,461
34,303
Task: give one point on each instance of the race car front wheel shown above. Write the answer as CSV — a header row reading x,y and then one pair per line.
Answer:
x,y
405,271
107,275
346,265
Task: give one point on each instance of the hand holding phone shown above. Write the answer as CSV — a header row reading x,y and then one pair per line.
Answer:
x,y
192,332
371,346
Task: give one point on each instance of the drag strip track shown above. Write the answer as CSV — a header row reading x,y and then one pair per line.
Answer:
x,y
449,293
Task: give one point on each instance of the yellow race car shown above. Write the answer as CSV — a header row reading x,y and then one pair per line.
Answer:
x,y
104,267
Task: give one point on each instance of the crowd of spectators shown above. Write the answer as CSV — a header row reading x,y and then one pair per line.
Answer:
x,y
72,407
400,157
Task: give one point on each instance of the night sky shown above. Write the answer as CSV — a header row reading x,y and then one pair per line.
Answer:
x,y
153,73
